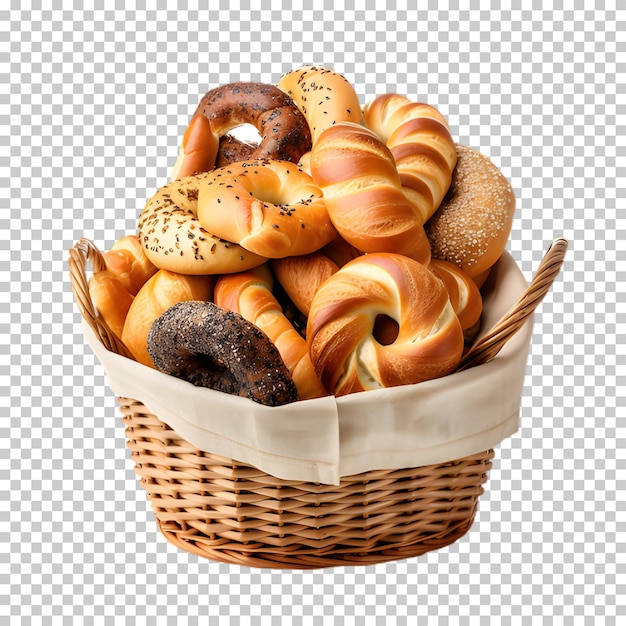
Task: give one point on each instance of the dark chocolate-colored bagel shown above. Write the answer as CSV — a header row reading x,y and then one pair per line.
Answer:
x,y
285,134
211,347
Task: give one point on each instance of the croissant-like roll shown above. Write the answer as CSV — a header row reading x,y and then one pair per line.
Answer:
x,y
346,348
419,139
250,294
364,195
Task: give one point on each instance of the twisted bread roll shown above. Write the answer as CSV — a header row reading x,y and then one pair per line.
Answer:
x,y
341,327
363,193
324,97
161,292
250,295
301,276
270,208
419,139
464,296
472,226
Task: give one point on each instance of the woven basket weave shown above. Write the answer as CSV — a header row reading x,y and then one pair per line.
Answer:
x,y
232,512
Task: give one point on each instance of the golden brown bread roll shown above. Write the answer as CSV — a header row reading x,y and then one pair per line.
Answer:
x,y
324,97
472,226
341,329
198,149
128,262
464,294
161,292
419,139
364,195
250,294
301,276
111,299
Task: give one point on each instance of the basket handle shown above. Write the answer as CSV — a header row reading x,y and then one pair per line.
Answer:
x,y
84,252
488,346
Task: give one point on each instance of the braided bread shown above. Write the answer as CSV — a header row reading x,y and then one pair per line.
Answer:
x,y
363,193
341,331
419,139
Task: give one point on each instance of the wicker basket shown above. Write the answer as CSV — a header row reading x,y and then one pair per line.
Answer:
x,y
227,511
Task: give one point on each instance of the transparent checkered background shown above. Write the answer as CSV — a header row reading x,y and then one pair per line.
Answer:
x,y
93,106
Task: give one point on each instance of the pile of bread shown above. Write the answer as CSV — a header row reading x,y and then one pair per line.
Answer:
x,y
355,238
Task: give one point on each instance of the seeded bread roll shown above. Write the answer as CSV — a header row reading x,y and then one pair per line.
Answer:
x,y
174,239
283,129
473,223
324,97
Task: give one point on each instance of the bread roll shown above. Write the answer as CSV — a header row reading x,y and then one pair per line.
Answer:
x,y
363,193
325,97
250,295
161,292
128,262
472,226
270,208
464,294
111,299
301,276
341,331
419,139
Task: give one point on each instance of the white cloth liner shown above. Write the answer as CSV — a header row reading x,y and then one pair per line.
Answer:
x,y
324,439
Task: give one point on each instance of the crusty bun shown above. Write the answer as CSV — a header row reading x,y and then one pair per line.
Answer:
x,y
250,294
324,97
341,333
162,291
363,193
472,226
